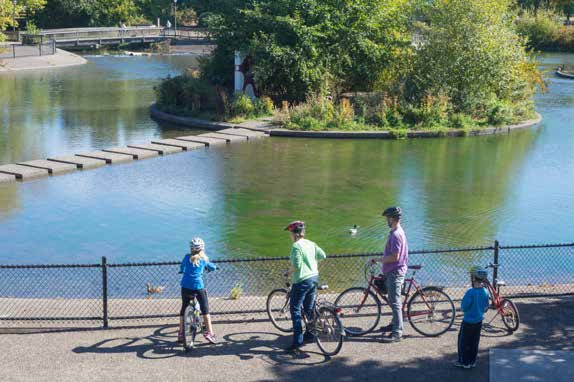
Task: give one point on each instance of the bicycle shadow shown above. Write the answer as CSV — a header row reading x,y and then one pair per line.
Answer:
x,y
162,344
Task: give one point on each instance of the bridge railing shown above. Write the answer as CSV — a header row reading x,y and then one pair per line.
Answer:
x,y
112,33
77,34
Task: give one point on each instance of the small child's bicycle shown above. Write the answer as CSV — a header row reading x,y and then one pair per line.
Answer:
x,y
325,324
503,306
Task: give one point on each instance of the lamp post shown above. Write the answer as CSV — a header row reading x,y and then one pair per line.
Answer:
x,y
175,18
14,2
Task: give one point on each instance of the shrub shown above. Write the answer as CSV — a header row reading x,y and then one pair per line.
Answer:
x,y
185,94
264,106
499,113
243,106
461,121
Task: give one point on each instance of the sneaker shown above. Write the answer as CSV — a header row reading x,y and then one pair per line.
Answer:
x,y
392,338
462,365
294,349
473,365
210,337
388,328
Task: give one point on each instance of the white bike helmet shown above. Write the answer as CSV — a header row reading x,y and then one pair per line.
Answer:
x,y
197,244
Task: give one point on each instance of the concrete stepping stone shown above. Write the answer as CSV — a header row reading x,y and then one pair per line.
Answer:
x,y
7,178
135,153
52,167
205,140
161,149
23,172
250,134
80,162
186,145
229,138
108,157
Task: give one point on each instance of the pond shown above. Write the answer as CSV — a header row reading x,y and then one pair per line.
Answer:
x,y
516,188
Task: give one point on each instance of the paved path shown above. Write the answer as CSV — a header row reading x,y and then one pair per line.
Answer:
x,y
60,59
252,352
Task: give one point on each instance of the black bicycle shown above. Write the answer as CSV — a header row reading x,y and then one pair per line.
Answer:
x,y
325,324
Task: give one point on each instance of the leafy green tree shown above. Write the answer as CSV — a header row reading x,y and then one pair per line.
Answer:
x,y
303,47
8,9
473,56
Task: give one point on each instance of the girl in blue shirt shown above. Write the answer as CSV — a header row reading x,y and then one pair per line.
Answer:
x,y
192,267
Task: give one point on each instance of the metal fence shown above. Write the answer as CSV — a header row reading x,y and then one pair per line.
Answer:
x,y
42,48
105,294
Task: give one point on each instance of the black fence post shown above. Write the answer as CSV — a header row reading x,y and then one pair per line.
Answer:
x,y
495,270
105,291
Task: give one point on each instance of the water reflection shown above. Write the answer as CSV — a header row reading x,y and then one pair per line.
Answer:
x,y
102,103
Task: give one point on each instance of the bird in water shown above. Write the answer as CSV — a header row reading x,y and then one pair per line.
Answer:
x,y
353,231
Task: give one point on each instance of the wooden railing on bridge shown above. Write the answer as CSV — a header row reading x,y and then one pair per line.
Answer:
x,y
112,35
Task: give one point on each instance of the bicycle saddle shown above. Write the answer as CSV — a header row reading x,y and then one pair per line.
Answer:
x,y
323,287
415,267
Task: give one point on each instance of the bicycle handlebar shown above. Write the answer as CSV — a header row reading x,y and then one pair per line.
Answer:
x,y
492,265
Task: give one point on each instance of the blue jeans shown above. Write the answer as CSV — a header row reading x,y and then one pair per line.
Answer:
x,y
394,285
302,296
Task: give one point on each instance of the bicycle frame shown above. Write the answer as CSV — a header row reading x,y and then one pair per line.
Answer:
x,y
412,283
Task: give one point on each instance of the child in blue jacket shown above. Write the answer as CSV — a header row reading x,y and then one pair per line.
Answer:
x,y
474,304
192,267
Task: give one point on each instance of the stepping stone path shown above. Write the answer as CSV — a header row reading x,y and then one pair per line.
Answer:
x,y
52,167
183,144
108,157
23,172
80,162
161,149
135,153
229,138
7,178
205,140
88,160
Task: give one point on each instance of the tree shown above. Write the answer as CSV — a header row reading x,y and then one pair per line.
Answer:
x,y
473,56
8,9
564,6
304,47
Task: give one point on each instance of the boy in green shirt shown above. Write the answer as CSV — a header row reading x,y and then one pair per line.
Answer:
x,y
304,275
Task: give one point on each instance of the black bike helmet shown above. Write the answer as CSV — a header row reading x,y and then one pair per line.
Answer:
x,y
393,212
296,227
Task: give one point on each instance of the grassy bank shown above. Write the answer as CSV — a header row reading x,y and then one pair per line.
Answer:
x,y
378,112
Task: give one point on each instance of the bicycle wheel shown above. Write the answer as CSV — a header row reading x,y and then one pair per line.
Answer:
x,y
328,331
360,310
431,312
278,310
509,314
189,328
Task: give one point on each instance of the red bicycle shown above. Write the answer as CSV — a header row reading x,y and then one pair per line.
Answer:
x,y
430,311
503,306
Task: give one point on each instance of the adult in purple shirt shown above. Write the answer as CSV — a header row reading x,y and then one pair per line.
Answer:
x,y
394,260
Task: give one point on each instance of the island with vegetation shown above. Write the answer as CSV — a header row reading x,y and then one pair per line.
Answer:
x,y
393,65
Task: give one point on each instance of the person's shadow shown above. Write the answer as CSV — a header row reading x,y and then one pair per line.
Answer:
x,y
162,343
